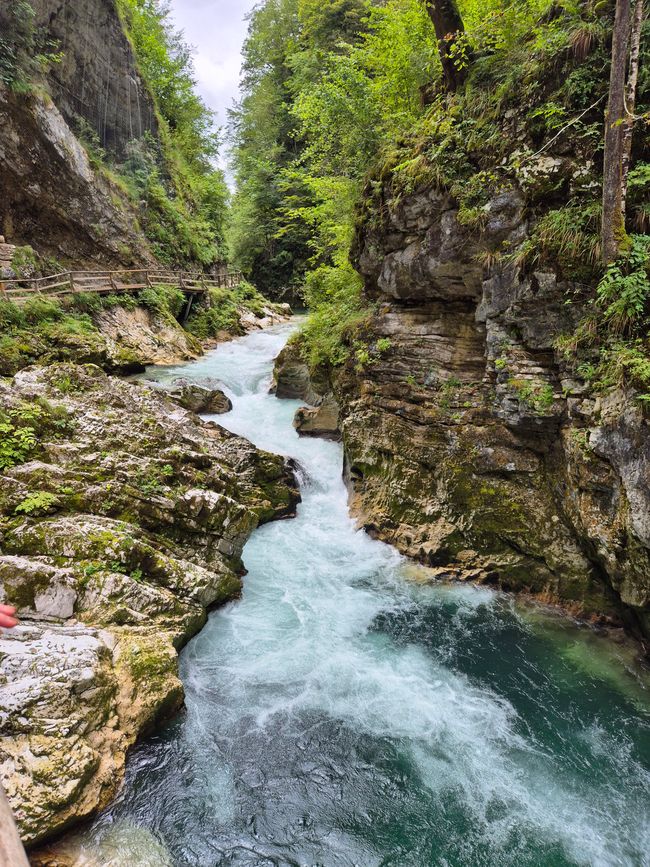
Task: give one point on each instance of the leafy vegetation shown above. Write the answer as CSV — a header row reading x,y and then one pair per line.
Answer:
x,y
345,105
611,347
21,428
38,503
221,312
25,50
175,175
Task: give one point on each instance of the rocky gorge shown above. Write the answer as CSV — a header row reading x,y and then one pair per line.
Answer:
x,y
470,443
122,523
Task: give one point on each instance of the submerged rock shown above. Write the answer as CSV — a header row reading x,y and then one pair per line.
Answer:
x,y
123,523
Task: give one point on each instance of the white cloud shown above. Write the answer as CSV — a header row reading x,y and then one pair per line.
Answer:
x,y
217,30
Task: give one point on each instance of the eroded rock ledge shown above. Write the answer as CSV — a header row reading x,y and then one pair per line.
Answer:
x,y
469,443
122,525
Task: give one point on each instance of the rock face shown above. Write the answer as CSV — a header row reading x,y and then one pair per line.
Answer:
x,y
122,519
51,197
84,83
149,337
468,443
196,398
292,378
319,421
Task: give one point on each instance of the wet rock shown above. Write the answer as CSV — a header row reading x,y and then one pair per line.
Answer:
x,y
197,398
472,435
120,528
291,377
319,421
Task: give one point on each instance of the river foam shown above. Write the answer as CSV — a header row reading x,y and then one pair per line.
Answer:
x,y
339,714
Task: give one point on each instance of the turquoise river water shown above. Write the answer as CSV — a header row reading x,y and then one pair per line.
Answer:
x,y
344,712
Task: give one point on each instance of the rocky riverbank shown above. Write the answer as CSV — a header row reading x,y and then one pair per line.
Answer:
x,y
470,444
122,520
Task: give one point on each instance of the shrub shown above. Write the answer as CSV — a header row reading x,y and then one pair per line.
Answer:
x,y
39,503
166,300
624,290
11,315
86,302
38,310
334,297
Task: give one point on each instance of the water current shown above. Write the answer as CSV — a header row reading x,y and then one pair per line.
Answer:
x,y
346,712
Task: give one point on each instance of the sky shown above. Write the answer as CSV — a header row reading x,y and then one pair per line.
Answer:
x,y
216,29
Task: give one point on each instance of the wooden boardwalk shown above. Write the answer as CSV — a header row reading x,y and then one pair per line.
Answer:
x,y
116,283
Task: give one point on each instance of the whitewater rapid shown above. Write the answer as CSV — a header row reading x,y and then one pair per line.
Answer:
x,y
343,713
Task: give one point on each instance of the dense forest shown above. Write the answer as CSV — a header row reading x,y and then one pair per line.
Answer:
x,y
338,97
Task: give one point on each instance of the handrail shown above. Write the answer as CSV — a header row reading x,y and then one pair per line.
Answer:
x,y
189,282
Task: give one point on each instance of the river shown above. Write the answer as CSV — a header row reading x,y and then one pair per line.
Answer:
x,y
345,712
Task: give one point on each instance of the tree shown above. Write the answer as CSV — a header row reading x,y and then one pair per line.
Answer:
x,y
619,120
450,32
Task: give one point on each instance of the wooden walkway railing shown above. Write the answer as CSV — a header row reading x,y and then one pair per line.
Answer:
x,y
12,853
116,282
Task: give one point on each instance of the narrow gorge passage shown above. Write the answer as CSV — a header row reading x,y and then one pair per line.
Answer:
x,y
344,713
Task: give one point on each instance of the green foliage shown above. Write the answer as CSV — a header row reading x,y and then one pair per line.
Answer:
x,y
89,137
222,311
11,315
20,427
40,310
185,195
324,85
537,396
337,310
614,333
25,50
85,302
38,503
566,239
24,262
16,442
167,301
624,290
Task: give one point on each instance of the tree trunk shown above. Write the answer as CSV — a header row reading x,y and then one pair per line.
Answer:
x,y
613,226
448,25
630,95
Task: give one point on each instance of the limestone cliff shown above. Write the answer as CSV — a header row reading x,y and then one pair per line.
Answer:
x,y
51,197
122,519
469,443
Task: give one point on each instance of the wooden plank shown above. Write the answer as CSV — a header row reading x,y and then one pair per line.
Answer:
x,y
12,853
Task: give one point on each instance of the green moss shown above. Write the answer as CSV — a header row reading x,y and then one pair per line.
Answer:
x,y
24,262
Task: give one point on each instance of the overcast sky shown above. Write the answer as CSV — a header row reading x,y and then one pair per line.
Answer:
x,y
216,29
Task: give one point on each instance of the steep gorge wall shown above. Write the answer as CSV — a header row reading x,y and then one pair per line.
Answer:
x,y
469,443
97,78
51,197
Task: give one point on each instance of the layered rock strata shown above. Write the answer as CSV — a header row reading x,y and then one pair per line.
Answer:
x,y
470,445
123,518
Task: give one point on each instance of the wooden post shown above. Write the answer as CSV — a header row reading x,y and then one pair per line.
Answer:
x,y
12,853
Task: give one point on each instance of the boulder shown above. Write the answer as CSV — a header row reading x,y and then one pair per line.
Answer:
x,y
319,421
199,399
